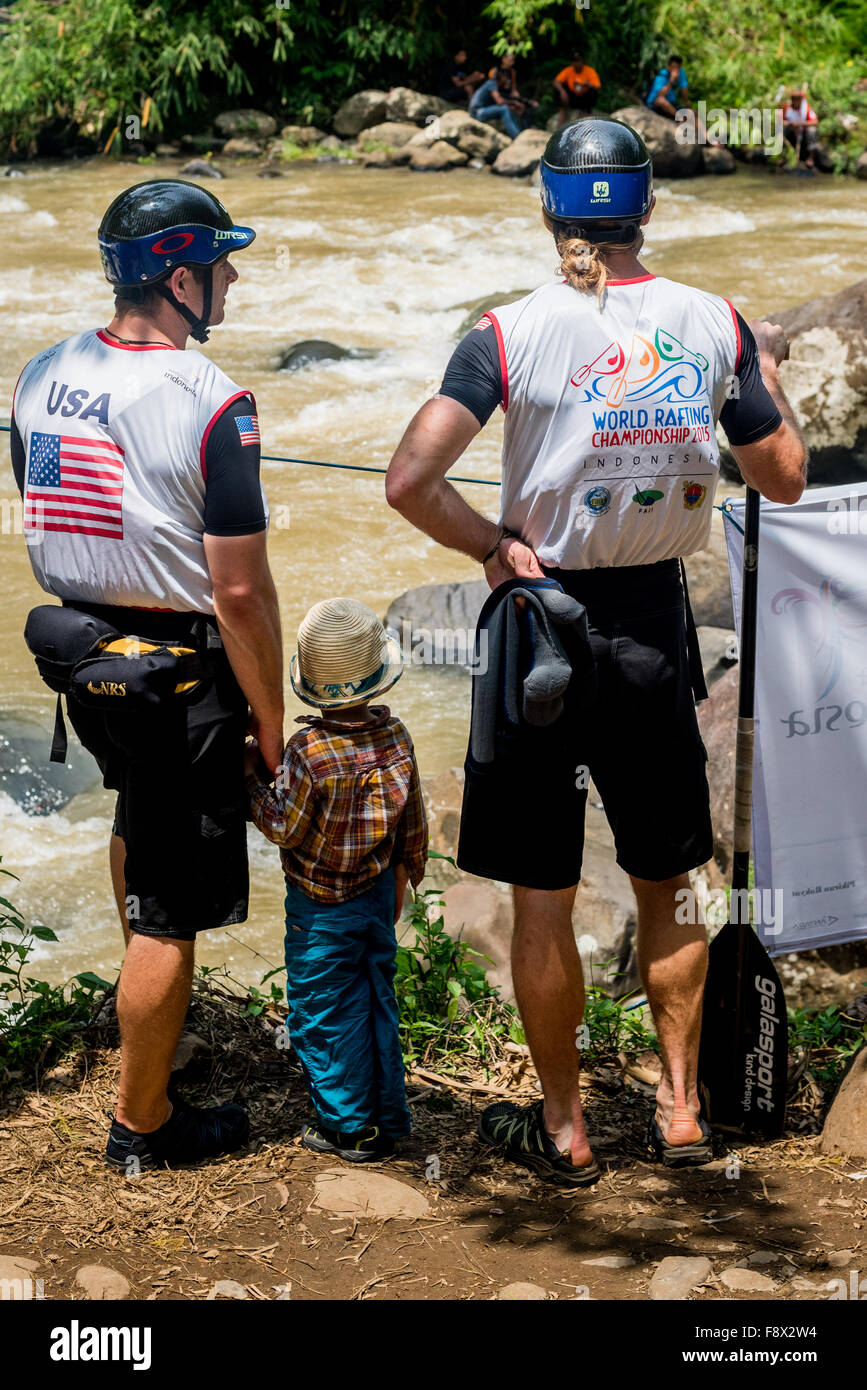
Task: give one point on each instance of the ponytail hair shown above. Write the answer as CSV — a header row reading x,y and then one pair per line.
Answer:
x,y
582,262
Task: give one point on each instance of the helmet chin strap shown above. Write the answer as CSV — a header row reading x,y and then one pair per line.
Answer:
x,y
198,323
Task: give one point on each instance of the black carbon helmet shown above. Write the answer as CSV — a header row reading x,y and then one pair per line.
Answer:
x,y
153,227
597,180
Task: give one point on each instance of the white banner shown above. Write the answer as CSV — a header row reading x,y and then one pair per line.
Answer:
x,y
810,788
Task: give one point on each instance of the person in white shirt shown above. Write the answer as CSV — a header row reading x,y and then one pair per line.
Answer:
x,y
612,381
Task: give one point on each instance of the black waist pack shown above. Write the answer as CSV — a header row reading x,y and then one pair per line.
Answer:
x,y
89,661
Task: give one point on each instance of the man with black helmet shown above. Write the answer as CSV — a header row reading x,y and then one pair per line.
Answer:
x,y
138,460
612,381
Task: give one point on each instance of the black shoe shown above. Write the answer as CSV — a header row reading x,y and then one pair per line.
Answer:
x,y
365,1146
519,1131
188,1135
680,1155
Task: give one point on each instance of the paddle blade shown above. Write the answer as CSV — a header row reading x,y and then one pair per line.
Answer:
x,y
743,1061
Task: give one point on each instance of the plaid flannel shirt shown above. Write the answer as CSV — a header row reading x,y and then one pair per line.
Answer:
x,y
347,803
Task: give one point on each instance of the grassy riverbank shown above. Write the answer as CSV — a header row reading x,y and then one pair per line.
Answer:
x,y
75,73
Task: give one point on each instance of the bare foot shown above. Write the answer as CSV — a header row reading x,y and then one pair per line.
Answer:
x,y
571,1139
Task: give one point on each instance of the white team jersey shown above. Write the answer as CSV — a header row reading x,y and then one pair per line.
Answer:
x,y
610,454
114,489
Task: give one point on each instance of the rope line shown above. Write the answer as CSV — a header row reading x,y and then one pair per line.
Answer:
x,y
350,467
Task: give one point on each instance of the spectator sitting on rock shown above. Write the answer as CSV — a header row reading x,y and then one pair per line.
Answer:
x,y
488,104
670,89
457,86
801,126
576,86
506,78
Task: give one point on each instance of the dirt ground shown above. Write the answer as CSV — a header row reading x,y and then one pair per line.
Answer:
x,y
781,1211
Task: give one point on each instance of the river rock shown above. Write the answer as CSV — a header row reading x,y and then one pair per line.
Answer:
x,y
707,577
825,380
360,111
368,1194
242,147
433,607
522,155
861,166
522,1293
201,169
717,718
404,104
676,1276
478,307
395,134
479,913
386,159
435,157
38,786
246,121
99,1282
303,134
747,1281
716,159
476,139
671,159
313,350
845,1128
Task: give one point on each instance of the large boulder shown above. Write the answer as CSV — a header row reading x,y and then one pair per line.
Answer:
x,y
522,156
200,169
302,135
845,1128
440,155
825,380
861,166
474,138
403,104
242,147
360,111
671,159
420,613
394,134
716,159
246,122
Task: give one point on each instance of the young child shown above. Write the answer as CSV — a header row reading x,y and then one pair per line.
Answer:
x,y
347,812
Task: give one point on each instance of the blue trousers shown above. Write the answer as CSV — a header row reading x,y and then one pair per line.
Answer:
x,y
343,1019
503,113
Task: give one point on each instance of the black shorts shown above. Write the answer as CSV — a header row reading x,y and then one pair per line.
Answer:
x,y
178,769
638,738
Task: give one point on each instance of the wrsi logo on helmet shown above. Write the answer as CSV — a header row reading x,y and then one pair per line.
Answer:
x,y
153,227
597,172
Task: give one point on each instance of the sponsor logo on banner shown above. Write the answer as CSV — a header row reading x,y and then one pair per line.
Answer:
x,y
597,501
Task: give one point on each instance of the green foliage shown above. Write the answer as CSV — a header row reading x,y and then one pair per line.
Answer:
x,y
75,70
613,1028
37,1020
449,1011
826,1040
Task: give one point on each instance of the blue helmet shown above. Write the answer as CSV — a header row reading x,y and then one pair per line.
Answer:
x,y
597,180
153,227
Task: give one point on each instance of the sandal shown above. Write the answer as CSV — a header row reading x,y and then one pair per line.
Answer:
x,y
680,1155
519,1131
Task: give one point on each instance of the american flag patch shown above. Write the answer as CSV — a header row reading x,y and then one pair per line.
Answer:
x,y
248,428
74,484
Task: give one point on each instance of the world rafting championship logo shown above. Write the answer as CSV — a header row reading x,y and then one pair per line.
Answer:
x,y
663,370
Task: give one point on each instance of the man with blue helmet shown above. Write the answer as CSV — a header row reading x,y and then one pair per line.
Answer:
x,y
612,381
138,461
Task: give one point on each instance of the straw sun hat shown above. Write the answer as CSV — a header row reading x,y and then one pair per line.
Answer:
x,y
344,656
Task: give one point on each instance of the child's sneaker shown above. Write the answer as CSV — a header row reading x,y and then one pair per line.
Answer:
x,y
364,1146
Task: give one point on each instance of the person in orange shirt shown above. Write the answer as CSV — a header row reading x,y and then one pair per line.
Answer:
x,y
578,86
